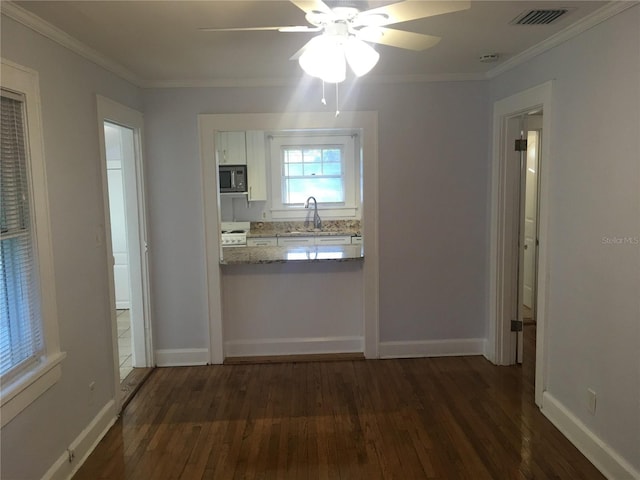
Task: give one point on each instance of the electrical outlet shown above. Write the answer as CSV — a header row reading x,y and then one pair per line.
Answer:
x,y
72,454
591,401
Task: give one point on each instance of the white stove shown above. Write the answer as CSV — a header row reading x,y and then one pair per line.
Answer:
x,y
234,234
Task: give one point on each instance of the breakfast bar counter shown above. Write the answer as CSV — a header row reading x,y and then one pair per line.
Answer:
x,y
292,253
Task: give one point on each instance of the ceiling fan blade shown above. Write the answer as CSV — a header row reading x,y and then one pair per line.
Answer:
x,y
287,28
398,38
412,10
308,6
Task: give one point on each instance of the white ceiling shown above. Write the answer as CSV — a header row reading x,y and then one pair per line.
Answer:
x,y
158,42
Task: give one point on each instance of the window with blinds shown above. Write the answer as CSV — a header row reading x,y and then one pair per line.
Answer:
x,y
21,342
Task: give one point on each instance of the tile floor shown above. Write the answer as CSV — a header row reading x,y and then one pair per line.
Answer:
x,y
124,343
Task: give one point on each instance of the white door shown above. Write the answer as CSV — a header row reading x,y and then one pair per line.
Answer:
x,y
520,237
530,219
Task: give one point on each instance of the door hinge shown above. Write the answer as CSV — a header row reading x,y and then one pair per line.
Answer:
x,y
521,145
516,326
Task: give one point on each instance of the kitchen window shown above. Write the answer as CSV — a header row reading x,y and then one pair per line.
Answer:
x,y
29,349
319,164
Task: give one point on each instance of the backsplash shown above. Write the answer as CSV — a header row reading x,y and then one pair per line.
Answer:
x,y
274,228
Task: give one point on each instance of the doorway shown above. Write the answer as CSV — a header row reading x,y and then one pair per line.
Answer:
x,y
507,259
119,146
530,235
127,246
527,140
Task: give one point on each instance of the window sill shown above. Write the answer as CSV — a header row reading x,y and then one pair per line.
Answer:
x,y
19,394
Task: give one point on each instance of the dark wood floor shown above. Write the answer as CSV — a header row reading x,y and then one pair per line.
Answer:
x,y
441,418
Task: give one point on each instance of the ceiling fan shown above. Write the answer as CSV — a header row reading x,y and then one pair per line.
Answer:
x,y
345,29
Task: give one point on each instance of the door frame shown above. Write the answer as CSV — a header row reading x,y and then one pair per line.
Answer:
x,y
501,341
113,112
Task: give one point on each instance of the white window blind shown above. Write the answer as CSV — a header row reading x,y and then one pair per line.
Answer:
x,y
21,342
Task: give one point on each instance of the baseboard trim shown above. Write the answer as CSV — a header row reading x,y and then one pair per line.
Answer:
x,y
432,348
605,459
182,357
83,445
293,346
305,358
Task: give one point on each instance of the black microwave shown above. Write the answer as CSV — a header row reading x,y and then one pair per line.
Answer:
x,y
233,178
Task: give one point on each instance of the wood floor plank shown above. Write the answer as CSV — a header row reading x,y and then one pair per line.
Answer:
x,y
433,418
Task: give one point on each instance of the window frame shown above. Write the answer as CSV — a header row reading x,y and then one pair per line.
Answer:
x,y
347,141
30,383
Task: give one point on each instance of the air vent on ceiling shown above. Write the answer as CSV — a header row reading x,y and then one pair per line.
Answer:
x,y
539,17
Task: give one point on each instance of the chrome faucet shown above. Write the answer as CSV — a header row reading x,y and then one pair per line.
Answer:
x,y
317,223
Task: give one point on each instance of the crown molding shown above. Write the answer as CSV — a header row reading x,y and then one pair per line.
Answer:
x,y
582,25
292,82
424,78
225,83
48,30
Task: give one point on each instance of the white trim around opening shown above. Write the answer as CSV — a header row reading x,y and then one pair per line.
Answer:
x,y
500,349
368,122
111,111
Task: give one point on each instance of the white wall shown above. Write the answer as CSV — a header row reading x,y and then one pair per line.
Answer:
x,y
433,213
593,299
36,438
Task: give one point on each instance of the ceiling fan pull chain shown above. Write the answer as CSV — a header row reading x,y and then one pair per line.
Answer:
x,y
337,101
324,100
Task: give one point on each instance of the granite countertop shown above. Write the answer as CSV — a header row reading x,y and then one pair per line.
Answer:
x,y
293,253
293,229
300,233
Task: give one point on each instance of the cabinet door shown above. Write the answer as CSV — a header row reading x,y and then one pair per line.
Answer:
x,y
256,166
232,148
262,242
285,241
333,240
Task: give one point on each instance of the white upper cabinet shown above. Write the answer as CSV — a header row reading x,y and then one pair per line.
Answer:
x,y
231,148
256,166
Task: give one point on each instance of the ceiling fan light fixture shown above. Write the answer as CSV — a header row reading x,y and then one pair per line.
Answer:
x,y
324,58
360,56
